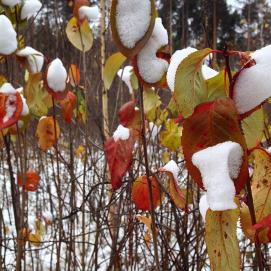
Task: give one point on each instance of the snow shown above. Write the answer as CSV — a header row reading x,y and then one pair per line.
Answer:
x,y
176,60
253,84
10,107
25,110
154,130
30,7
7,88
122,133
150,67
125,75
57,76
218,165
34,58
8,40
203,206
172,167
91,13
10,3
132,20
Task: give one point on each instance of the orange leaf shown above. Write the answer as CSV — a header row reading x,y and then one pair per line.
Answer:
x,y
140,193
175,191
15,105
74,75
47,132
31,181
119,156
212,123
67,105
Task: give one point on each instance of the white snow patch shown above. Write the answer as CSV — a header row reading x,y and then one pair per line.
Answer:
x,y
10,107
150,67
132,20
8,40
25,110
7,88
253,84
121,133
176,60
218,165
34,58
29,8
125,75
154,130
10,3
203,206
172,167
91,13
57,76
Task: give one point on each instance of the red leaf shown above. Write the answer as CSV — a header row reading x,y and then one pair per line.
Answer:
x,y
10,100
127,113
67,105
31,181
140,193
263,224
119,157
212,123
130,117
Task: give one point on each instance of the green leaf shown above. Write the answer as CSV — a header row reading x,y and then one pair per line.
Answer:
x,y
221,240
80,36
190,87
253,127
171,136
112,65
216,87
151,103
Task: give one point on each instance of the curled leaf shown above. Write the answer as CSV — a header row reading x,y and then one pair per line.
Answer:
x,y
67,105
48,132
140,193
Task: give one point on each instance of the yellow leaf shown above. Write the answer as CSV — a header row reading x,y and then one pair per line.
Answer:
x,y
151,103
80,36
253,127
112,65
220,236
38,100
261,191
34,239
171,136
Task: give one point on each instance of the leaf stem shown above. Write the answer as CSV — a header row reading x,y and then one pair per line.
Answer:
x,y
144,142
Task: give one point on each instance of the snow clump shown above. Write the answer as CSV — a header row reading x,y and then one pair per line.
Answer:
x,y
173,168
132,20
57,76
30,8
10,3
8,37
219,165
91,13
34,58
203,206
152,68
122,133
125,75
253,84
